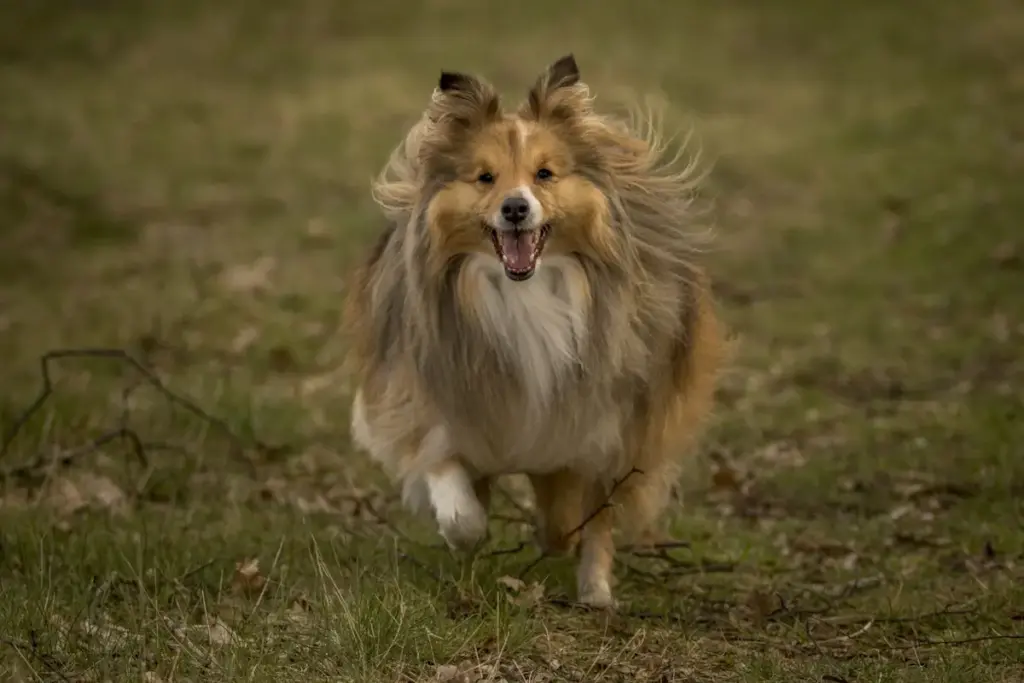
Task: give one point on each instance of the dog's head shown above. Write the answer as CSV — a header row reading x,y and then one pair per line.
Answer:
x,y
522,184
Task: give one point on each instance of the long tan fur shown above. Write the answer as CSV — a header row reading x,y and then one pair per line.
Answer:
x,y
593,377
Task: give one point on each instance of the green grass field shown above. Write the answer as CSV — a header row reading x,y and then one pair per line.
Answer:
x,y
189,182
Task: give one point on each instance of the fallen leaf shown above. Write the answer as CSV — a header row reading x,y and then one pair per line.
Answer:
x,y
102,490
848,485
247,578
70,494
894,216
557,644
316,227
761,605
1007,255
248,277
901,511
14,498
848,562
512,582
447,672
65,496
725,478
108,635
530,596
282,359
520,594
244,339
817,546
298,612
318,503
316,383
219,633
781,454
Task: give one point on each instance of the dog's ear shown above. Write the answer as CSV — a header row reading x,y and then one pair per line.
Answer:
x,y
453,80
557,92
562,73
463,100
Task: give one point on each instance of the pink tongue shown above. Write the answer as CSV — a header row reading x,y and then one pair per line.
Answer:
x,y
517,249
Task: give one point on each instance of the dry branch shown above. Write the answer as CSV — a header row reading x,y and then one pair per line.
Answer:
x,y
605,505
122,431
32,648
149,377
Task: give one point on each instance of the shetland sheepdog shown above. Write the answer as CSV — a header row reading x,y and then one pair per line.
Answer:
x,y
534,307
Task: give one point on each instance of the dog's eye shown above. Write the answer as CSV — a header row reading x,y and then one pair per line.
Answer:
x,y
485,178
544,174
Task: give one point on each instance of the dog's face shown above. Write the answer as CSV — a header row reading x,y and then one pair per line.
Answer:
x,y
514,185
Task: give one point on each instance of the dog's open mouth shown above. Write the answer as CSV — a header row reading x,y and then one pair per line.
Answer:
x,y
519,250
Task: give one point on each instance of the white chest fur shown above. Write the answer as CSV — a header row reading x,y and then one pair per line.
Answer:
x,y
540,323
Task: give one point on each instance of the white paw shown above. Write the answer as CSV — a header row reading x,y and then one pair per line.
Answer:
x,y
461,519
597,595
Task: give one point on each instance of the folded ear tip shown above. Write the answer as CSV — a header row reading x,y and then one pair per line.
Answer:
x,y
565,71
451,80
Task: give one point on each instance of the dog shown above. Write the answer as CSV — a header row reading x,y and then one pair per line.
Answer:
x,y
534,307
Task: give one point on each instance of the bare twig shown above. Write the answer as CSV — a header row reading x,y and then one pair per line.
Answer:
x,y
606,504
512,501
532,565
32,648
510,519
958,643
148,376
851,588
851,636
812,639
518,548
680,568
925,616
119,433
655,550
642,615
422,567
390,526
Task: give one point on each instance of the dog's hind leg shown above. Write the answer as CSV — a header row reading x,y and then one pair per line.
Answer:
x,y
482,489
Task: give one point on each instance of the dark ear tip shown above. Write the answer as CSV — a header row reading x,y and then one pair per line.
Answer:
x,y
451,81
564,71
568,64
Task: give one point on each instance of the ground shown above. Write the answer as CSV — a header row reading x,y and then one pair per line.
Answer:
x,y
188,183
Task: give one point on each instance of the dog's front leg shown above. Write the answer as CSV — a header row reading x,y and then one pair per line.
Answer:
x,y
456,500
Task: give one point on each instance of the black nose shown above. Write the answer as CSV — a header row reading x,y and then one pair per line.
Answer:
x,y
515,209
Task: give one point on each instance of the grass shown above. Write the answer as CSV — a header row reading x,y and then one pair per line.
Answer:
x,y
189,182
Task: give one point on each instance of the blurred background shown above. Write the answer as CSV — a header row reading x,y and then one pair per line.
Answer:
x,y
189,181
